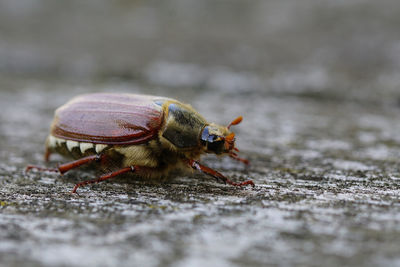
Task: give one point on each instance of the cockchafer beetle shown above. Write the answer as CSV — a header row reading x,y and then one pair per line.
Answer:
x,y
147,135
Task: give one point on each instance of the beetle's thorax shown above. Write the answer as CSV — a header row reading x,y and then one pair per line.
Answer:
x,y
219,130
182,126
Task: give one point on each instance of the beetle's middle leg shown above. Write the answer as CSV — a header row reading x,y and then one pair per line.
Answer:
x,y
140,169
63,168
105,177
197,166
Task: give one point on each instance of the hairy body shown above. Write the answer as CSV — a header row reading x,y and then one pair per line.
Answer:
x,y
147,135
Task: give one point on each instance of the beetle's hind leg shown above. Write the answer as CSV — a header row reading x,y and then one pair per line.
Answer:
x,y
63,168
197,166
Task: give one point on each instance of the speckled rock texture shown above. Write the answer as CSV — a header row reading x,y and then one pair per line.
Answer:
x,y
316,82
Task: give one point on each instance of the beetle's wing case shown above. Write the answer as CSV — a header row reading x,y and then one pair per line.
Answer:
x,y
120,119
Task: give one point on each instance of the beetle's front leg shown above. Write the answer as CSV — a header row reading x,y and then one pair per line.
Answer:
x,y
236,157
63,168
197,166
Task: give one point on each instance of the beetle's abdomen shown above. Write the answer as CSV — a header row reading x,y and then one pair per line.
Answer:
x,y
73,148
124,156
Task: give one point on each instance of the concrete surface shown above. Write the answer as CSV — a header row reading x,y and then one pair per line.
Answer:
x,y
317,84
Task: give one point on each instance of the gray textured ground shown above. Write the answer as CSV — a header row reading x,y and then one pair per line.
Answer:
x,y
317,84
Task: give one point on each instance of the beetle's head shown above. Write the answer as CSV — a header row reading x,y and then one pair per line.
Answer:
x,y
219,139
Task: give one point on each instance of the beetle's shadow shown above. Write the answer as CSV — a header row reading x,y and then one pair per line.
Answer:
x,y
173,186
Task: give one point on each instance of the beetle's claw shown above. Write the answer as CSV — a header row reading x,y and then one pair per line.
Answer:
x,y
221,179
74,193
248,182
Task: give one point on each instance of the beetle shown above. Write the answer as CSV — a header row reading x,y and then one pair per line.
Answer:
x,y
143,134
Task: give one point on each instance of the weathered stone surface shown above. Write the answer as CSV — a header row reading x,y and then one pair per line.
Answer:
x,y
317,85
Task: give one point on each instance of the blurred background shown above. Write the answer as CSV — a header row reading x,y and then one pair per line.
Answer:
x,y
336,49
317,83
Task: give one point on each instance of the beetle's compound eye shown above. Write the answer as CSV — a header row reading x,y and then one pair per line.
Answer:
x,y
205,134
212,142
217,147
207,137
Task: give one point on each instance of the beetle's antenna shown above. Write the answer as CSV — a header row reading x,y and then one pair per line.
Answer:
x,y
235,121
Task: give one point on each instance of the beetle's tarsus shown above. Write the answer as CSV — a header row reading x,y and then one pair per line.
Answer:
x,y
63,168
197,166
248,182
39,168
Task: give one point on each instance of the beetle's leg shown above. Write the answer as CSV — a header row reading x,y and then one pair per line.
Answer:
x,y
41,169
236,157
105,177
63,168
197,166
47,154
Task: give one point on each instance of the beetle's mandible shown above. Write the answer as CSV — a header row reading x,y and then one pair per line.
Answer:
x,y
147,135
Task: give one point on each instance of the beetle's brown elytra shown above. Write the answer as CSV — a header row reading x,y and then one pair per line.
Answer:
x,y
146,135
